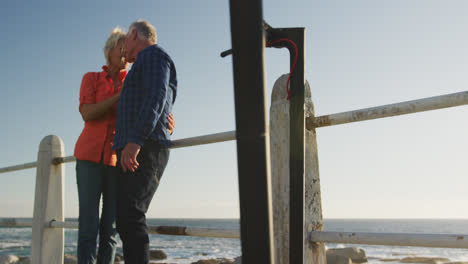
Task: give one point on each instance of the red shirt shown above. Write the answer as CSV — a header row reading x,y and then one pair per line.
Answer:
x,y
95,141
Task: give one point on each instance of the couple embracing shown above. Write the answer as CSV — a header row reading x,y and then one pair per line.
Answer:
x,y
124,147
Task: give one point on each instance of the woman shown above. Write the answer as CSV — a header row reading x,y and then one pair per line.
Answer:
x,y
95,160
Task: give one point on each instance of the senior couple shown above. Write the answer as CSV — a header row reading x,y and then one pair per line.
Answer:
x,y
123,149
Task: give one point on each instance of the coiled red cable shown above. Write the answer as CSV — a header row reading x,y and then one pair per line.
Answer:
x,y
295,60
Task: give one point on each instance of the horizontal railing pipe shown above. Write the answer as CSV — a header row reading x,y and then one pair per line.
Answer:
x,y
203,140
62,224
24,166
386,239
169,230
392,239
194,231
179,143
408,107
15,222
59,160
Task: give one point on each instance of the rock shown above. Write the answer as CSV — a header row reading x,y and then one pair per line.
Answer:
x,y
214,261
337,259
157,255
357,255
424,260
238,260
8,259
457,262
24,260
69,259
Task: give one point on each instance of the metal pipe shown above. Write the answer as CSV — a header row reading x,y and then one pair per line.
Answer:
x,y
202,140
296,148
386,239
168,230
392,239
252,135
408,107
179,143
61,224
15,222
194,232
24,166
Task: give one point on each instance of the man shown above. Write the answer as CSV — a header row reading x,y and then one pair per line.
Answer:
x,y
141,138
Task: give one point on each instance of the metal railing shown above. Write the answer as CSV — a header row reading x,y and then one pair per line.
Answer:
x,y
408,107
386,239
394,239
180,143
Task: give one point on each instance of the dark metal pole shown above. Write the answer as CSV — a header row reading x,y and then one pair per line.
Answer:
x,y
296,158
296,127
251,133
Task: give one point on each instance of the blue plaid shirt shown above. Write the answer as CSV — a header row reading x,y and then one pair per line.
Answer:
x,y
148,93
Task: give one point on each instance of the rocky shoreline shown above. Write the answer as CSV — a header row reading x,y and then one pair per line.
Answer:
x,y
351,255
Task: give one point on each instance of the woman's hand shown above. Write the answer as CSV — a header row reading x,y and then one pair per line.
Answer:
x,y
171,124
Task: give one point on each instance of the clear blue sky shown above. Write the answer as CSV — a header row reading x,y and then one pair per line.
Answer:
x,y
359,54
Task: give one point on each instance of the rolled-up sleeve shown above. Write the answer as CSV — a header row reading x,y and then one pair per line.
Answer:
x,y
87,90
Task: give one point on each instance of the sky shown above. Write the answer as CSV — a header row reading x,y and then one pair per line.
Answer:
x,y
359,54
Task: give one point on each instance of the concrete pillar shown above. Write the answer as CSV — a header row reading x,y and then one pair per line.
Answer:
x,y
279,146
47,243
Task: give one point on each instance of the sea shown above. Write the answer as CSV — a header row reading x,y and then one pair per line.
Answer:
x,y
184,250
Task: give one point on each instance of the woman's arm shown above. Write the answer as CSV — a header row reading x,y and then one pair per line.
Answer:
x,y
95,111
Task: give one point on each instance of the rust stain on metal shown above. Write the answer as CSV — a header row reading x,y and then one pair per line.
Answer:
x,y
57,161
172,230
460,237
358,115
313,122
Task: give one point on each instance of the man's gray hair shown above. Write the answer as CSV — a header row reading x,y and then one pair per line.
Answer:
x,y
144,30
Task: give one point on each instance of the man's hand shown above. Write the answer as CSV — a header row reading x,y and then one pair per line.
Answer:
x,y
128,159
171,124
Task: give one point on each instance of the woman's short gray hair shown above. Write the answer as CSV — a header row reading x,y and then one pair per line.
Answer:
x,y
115,36
144,30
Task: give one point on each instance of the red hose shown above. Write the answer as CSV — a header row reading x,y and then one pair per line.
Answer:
x,y
295,60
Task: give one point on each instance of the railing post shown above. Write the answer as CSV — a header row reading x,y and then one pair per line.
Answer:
x,y
313,218
47,243
280,172
279,147
252,135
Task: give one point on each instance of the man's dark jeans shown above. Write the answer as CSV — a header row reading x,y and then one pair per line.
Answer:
x,y
134,193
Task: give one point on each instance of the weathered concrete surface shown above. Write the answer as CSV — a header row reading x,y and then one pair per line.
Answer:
x,y
280,172
47,243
